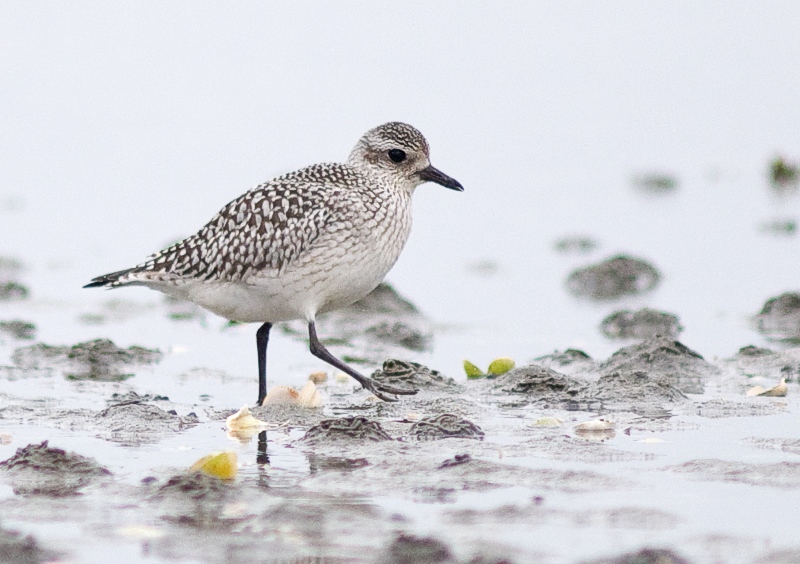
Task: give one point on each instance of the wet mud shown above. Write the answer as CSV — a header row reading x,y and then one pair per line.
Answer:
x,y
489,460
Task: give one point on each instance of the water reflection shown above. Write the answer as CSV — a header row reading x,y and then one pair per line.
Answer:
x,y
262,457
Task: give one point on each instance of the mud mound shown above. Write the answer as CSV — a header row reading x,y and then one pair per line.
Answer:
x,y
636,391
537,381
544,387
445,426
348,428
408,549
405,374
195,485
642,324
137,423
613,278
619,390
780,317
663,358
196,500
42,470
99,360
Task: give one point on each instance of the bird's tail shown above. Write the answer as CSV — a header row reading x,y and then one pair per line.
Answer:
x,y
111,280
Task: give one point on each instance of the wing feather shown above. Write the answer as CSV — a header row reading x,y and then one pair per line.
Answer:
x,y
265,229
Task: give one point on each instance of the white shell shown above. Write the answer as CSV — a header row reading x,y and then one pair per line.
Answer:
x,y
548,422
309,396
595,425
243,419
778,391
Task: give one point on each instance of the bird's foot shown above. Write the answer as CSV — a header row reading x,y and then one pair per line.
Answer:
x,y
385,391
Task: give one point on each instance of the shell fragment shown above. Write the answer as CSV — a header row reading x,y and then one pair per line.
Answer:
x,y
778,391
222,465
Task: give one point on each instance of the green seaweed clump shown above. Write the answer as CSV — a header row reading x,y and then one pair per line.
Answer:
x,y
783,174
497,367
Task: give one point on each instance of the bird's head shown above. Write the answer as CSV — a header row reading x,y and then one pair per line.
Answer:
x,y
399,153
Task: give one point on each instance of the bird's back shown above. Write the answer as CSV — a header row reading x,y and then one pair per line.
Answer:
x,y
318,223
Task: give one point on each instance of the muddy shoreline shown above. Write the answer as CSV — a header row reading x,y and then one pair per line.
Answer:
x,y
570,443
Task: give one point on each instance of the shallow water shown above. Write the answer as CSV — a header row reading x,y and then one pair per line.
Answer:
x,y
126,128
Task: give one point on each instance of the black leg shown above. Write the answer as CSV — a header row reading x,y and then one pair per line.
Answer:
x,y
262,339
380,390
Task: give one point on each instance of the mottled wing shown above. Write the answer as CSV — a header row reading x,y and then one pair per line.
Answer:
x,y
265,229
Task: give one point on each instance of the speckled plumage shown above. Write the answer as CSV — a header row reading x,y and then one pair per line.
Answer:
x,y
298,226
307,242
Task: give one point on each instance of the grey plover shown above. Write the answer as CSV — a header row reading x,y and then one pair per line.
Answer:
x,y
307,242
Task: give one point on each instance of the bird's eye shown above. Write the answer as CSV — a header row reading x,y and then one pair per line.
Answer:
x,y
397,155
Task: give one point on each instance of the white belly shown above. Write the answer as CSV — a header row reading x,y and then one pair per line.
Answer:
x,y
335,272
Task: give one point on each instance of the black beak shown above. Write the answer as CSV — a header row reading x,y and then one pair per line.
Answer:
x,y
431,174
